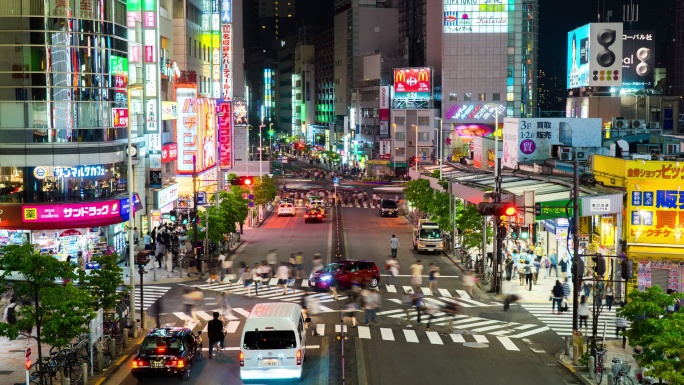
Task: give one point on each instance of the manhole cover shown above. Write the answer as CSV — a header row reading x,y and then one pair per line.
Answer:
x,y
476,345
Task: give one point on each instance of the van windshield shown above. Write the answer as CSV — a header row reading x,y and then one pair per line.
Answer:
x,y
270,339
387,204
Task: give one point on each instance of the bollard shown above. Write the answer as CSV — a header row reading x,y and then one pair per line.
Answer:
x,y
592,367
84,367
126,341
575,355
99,359
610,380
112,347
568,345
66,380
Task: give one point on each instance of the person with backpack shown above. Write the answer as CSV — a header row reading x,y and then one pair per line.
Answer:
x,y
215,333
10,315
509,267
419,304
553,259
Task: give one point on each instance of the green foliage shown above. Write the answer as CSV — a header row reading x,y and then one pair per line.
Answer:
x,y
419,193
658,331
584,359
469,220
438,207
103,282
59,312
264,190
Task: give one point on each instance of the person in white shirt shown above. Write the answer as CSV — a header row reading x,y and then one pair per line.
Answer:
x,y
583,312
392,266
257,277
317,263
394,245
283,275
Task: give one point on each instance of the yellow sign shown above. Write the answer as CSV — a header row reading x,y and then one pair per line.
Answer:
x,y
584,225
614,171
607,231
655,212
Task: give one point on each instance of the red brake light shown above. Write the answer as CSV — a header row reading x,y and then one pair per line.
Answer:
x,y
181,363
135,364
299,357
318,216
161,350
242,358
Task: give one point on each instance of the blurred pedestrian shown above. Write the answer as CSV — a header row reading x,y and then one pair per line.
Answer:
x,y
257,277
553,260
563,263
430,311
528,274
283,275
224,305
521,270
567,289
621,325
609,293
188,304
247,280
416,274
583,312
266,274
317,263
299,263
272,259
10,314
392,267
349,313
419,304
557,296
509,299
536,263
313,311
451,309
509,267
215,334
469,281
371,305
433,275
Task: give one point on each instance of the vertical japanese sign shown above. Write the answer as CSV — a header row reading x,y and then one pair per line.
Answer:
x,y
152,73
225,135
195,130
226,50
215,49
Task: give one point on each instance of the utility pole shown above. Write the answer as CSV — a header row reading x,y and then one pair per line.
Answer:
x,y
498,242
194,208
575,246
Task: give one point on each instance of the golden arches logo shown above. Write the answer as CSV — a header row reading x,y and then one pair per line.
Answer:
x,y
399,76
424,75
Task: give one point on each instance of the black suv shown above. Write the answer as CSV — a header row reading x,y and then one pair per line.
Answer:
x,y
167,352
388,208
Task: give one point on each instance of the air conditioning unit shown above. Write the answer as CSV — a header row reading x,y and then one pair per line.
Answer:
x,y
638,124
654,125
565,153
582,155
619,124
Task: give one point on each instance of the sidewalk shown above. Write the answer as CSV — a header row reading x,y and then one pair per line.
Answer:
x,y
615,350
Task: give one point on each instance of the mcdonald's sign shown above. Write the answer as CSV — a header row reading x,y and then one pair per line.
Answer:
x,y
412,80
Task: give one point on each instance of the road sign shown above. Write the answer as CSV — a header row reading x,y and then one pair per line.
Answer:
x,y
425,156
336,180
28,359
276,146
201,198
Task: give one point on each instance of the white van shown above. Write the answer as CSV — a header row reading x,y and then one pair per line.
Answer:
x,y
273,342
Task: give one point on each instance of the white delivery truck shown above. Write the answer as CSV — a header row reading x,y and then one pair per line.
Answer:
x,y
427,237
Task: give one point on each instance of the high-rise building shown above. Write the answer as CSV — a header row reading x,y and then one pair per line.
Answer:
x,y
303,82
421,40
324,74
63,126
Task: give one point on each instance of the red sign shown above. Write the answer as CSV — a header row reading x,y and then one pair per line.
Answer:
x,y
73,215
120,81
412,80
10,216
169,152
225,134
119,117
28,362
149,54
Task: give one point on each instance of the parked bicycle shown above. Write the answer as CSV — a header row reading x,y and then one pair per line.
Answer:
x,y
620,373
61,364
600,356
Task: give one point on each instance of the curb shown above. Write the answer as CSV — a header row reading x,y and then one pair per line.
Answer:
x,y
572,369
116,365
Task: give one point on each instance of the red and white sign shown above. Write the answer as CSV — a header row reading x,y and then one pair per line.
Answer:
x,y
119,117
169,152
149,19
27,364
412,80
385,149
149,54
225,137
226,62
120,81
384,97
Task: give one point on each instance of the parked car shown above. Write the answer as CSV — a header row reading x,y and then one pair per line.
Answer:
x,y
167,352
344,273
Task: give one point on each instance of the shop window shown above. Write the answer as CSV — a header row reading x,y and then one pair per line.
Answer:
x,y
400,151
423,120
400,135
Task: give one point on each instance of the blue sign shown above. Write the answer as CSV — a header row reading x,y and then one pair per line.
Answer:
x,y
226,11
636,198
276,146
425,156
124,207
578,58
201,198
336,180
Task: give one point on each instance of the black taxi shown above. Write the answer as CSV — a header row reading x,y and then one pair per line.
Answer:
x,y
167,352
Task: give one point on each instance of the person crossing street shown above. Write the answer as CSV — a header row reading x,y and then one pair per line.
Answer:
x,y
215,332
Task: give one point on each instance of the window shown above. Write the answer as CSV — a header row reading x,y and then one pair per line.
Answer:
x,y
453,96
400,151
496,96
189,47
423,136
481,97
423,120
270,340
400,135
466,97
400,120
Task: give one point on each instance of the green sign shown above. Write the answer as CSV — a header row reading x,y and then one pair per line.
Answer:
x,y
118,65
150,5
555,209
133,5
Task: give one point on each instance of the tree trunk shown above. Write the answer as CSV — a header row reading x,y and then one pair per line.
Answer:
x,y
37,319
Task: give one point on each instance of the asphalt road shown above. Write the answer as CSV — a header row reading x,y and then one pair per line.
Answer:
x,y
487,345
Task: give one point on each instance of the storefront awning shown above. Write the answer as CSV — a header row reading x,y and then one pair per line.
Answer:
x,y
654,252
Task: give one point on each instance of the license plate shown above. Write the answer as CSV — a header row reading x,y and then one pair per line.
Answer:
x,y
271,362
156,364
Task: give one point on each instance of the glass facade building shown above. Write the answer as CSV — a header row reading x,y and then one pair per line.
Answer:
x,y
60,61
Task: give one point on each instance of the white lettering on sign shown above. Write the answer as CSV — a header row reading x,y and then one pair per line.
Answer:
x,y
226,62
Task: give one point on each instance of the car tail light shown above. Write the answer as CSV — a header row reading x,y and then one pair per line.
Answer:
x,y
299,357
135,364
181,363
138,363
242,358
318,216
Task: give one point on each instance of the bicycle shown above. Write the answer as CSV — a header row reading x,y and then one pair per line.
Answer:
x,y
487,276
600,355
620,373
60,364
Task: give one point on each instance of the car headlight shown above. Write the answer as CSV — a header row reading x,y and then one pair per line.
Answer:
x,y
421,245
440,244
326,278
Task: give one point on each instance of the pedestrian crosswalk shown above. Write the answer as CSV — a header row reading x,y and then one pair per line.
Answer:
x,y
562,323
301,288
150,295
477,325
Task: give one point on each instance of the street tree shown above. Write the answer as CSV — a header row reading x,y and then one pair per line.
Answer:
x,y
660,332
419,193
264,190
59,312
469,222
103,283
439,210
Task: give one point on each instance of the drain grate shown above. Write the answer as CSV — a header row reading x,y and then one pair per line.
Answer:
x,y
5,372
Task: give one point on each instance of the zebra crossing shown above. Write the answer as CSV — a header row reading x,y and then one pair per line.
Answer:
x,y
301,288
470,324
562,323
150,295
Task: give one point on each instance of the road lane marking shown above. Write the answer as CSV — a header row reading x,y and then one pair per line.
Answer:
x,y
232,326
387,334
391,288
463,294
434,338
364,332
444,292
305,283
320,329
530,332
410,336
426,291
407,289
481,339
204,315
507,343
457,338
241,311
338,328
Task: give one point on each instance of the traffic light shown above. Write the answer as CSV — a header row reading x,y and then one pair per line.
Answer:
x,y
242,181
524,232
193,216
627,269
173,216
184,219
497,209
501,232
599,265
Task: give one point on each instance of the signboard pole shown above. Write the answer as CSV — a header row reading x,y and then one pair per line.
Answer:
x,y
27,364
575,251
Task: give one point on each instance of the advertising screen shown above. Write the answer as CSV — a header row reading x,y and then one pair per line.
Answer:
x,y
196,130
412,80
638,62
239,111
578,57
475,16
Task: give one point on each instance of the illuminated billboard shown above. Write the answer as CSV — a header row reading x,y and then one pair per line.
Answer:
x,y
594,53
638,62
195,130
475,16
225,135
412,80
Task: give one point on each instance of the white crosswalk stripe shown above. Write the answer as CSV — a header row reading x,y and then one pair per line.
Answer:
x,y
562,323
150,295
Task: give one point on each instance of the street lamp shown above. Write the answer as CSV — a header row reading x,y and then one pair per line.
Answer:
x,y
131,217
394,145
439,150
413,125
497,108
261,141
